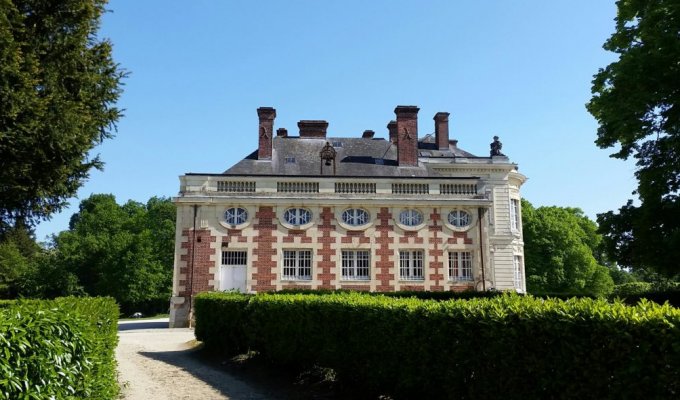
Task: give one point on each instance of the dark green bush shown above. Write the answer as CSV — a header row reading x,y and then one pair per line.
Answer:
x,y
632,293
148,307
61,348
631,288
507,346
212,310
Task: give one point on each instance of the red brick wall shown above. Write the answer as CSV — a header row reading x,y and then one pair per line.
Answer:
x,y
441,130
325,266
201,261
265,132
384,251
264,269
407,135
436,253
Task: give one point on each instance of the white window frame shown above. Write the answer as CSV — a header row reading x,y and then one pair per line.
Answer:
x,y
296,265
297,216
411,265
514,215
517,272
356,265
238,257
460,266
238,215
411,217
355,217
459,218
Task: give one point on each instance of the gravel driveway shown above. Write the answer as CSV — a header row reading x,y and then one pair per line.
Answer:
x,y
155,362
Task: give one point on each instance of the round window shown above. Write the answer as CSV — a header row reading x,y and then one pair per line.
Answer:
x,y
459,218
297,216
236,216
355,217
411,217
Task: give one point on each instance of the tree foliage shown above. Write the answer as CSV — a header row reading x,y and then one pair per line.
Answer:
x,y
123,251
58,89
560,249
636,101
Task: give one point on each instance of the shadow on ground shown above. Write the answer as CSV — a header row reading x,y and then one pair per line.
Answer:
x,y
128,325
270,382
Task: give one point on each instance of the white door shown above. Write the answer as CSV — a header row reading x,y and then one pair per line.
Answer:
x,y
233,270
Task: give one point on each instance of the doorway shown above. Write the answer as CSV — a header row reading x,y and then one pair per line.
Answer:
x,y
233,270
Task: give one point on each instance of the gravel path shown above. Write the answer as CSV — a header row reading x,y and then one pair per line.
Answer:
x,y
158,363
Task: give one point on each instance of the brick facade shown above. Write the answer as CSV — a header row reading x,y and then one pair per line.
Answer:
x,y
407,135
203,262
266,116
264,263
441,130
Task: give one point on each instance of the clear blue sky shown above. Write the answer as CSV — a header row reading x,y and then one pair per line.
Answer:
x,y
521,70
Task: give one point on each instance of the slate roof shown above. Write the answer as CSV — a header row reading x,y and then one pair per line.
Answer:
x,y
295,156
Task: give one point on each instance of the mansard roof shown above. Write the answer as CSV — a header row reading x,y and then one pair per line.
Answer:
x,y
369,157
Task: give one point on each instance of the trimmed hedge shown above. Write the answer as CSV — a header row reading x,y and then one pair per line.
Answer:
x,y
633,292
61,349
508,346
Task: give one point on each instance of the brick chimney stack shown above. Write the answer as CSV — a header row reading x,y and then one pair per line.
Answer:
x,y
407,135
441,130
312,128
368,134
392,129
265,132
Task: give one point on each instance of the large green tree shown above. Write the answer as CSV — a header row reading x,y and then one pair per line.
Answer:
x,y
561,247
636,101
124,251
58,89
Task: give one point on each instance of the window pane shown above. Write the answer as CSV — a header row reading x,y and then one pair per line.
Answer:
x,y
355,264
460,265
235,216
232,257
410,217
297,216
411,265
355,216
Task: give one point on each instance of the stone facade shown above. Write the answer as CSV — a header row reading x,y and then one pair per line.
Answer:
x,y
385,215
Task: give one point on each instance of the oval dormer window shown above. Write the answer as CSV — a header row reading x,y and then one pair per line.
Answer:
x,y
459,218
236,216
410,218
355,217
297,216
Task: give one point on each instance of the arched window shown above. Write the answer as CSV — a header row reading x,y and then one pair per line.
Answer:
x,y
236,216
459,218
355,216
411,217
297,216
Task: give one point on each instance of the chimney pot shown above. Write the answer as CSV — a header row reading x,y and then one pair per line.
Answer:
x,y
407,135
392,129
266,116
368,134
313,128
441,130
282,132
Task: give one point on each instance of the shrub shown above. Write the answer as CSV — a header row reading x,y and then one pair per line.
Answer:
x,y
507,346
632,293
61,348
632,288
